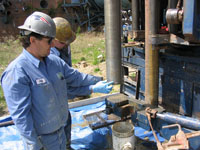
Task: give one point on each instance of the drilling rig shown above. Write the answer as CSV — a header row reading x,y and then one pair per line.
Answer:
x,y
158,68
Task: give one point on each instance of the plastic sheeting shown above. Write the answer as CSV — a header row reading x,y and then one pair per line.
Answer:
x,y
83,138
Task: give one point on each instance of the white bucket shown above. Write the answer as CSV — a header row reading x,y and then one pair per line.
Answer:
x,y
123,136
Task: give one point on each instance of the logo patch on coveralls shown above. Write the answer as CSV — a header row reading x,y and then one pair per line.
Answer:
x,y
40,81
60,75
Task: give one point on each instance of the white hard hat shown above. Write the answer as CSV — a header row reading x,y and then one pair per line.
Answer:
x,y
40,23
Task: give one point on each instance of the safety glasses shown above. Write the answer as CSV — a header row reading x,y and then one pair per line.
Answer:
x,y
50,39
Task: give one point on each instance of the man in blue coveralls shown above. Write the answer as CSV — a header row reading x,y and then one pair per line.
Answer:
x,y
64,37
35,87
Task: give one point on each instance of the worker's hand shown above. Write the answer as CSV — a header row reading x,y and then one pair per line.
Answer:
x,y
102,87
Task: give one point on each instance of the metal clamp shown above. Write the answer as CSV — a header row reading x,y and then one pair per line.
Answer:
x,y
150,113
180,140
176,142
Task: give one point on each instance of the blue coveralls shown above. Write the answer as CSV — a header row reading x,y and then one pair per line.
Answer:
x,y
65,54
36,96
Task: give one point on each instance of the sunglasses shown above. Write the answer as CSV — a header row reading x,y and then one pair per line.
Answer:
x,y
50,39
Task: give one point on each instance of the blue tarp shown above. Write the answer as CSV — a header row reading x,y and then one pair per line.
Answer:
x,y
83,137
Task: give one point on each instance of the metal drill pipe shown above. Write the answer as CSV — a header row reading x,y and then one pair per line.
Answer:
x,y
113,39
184,121
151,52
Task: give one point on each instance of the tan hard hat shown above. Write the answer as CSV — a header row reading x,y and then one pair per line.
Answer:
x,y
64,31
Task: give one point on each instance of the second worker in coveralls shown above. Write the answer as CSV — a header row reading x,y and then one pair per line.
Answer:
x,y
35,87
64,37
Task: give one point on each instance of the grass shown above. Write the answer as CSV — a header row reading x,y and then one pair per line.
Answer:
x,y
2,103
88,46
96,70
9,50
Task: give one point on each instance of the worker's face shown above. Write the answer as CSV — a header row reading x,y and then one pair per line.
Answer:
x,y
42,47
58,44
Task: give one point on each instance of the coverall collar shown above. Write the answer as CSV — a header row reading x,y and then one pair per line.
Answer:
x,y
56,51
32,59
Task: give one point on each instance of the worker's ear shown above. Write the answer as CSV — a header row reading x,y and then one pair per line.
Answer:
x,y
32,39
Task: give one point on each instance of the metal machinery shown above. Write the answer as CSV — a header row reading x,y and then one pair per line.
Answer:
x,y
93,10
83,13
159,69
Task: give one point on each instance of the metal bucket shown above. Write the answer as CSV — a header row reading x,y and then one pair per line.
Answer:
x,y
123,136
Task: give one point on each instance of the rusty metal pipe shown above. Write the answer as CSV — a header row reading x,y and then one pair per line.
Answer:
x,y
151,52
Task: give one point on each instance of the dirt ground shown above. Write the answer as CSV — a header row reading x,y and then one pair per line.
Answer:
x,y
89,69
3,111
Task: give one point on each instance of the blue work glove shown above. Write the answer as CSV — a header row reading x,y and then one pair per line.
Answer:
x,y
102,87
